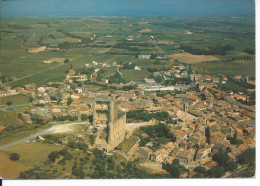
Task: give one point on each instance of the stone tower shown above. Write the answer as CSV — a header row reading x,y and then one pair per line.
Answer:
x,y
106,113
103,112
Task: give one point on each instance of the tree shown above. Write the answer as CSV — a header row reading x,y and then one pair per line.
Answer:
x,y
207,134
172,169
53,155
78,172
92,139
200,169
221,158
247,157
14,156
216,172
66,60
63,151
231,166
9,103
69,101
175,169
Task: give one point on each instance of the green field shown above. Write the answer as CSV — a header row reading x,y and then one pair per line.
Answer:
x,y
135,74
228,68
18,99
105,40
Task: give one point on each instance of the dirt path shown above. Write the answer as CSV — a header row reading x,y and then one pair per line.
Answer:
x,y
132,126
59,128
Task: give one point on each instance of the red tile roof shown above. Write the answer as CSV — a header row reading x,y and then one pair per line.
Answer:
x,y
2,128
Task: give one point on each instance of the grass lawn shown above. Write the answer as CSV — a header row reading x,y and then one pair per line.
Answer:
x,y
30,155
18,99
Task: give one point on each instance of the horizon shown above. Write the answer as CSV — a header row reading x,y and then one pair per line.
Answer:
x,y
126,8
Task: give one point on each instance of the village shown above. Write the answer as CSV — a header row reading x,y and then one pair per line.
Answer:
x,y
201,117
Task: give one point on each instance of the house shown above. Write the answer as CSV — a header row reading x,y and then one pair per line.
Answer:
x,y
4,93
240,97
149,81
145,153
239,133
137,68
232,155
78,90
192,126
71,72
75,96
144,56
161,155
184,116
26,118
185,157
203,155
104,80
2,128
210,164
76,102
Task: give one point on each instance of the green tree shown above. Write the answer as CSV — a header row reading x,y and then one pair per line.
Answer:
x,y
231,166
175,169
247,157
207,134
53,155
63,151
216,172
66,60
69,101
14,156
78,172
200,169
9,103
221,158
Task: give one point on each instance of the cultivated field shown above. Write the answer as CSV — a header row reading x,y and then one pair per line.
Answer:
x,y
191,59
106,40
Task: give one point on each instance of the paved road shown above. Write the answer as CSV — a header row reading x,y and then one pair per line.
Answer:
x,y
59,128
